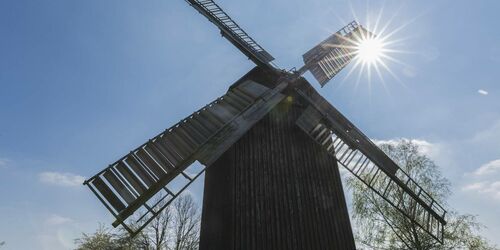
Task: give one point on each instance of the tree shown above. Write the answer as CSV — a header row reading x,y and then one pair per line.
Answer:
x,y
380,226
176,227
157,234
102,239
187,223
2,243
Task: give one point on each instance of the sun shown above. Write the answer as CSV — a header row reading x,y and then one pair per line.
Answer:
x,y
374,49
369,50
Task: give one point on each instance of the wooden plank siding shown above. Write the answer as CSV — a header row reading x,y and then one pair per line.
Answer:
x,y
275,189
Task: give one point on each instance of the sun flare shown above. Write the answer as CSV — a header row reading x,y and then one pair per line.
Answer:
x,y
369,50
375,51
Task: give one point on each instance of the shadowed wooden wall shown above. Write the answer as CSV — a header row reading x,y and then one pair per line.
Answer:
x,y
275,189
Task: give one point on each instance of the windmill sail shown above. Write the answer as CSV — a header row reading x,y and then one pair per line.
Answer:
x,y
353,150
127,187
233,32
330,56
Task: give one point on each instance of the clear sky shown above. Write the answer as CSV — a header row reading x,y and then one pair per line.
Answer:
x,y
83,82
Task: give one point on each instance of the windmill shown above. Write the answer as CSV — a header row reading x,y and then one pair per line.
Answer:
x,y
270,149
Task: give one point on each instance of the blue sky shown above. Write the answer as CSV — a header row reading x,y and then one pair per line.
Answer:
x,y
83,82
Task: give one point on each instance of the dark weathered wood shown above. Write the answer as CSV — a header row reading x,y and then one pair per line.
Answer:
x,y
275,189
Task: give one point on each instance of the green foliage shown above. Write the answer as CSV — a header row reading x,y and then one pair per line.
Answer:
x,y
102,239
380,226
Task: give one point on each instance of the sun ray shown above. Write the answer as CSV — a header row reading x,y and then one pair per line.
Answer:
x,y
376,48
360,73
387,41
389,22
394,60
384,85
398,51
351,70
379,18
383,64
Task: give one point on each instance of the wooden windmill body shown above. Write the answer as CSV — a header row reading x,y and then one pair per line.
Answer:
x,y
270,150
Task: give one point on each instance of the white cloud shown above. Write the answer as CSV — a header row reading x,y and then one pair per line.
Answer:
x,y
488,168
482,92
486,142
3,162
432,150
58,233
490,134
475,186
491,189
57,220
61,179
442,153
486,182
